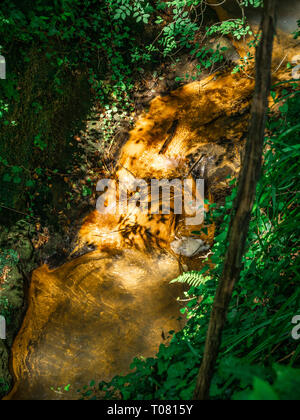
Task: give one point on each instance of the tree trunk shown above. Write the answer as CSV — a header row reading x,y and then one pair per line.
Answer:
x,y
243,205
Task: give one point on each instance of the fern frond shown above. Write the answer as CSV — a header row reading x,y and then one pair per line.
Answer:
x,y
192,278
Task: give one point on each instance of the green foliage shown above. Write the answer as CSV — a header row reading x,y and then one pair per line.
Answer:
x,y
87,33
297,33
4,386
50,42
258,358
3,108
238,28
254,3
8,259
140,11
284,387
6,308
53,47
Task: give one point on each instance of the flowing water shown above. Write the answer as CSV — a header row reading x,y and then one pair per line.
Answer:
x,y
89,318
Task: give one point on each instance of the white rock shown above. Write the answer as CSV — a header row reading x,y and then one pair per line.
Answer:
x,y
189,247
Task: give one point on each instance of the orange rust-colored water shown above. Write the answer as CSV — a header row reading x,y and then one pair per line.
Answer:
x,y
89,318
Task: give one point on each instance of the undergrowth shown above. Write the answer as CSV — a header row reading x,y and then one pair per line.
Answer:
x,y
59,52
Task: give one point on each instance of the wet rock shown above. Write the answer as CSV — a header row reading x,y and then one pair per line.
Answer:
x,y
189,247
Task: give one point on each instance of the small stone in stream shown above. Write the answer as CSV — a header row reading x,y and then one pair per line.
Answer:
x,y
189,247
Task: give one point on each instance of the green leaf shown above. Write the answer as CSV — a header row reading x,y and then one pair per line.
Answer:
x,y
263,391
6,178
30,184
